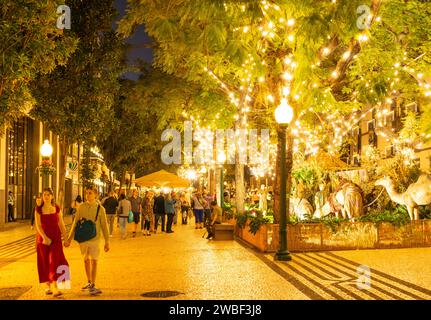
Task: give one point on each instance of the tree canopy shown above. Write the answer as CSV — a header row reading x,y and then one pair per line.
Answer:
x,y
31,45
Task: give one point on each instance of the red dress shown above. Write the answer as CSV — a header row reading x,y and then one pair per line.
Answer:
x,y
50,258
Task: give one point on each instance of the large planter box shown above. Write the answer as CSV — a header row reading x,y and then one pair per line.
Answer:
x,y
346,236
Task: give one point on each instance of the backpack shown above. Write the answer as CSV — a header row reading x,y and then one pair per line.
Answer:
x,y
86,229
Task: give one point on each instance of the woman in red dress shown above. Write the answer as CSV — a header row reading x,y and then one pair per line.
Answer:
x,y
51,262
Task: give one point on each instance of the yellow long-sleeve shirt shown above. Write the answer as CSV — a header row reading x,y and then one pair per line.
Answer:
x,y
88,211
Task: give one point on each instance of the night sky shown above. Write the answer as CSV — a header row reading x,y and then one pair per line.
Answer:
x,y
136,41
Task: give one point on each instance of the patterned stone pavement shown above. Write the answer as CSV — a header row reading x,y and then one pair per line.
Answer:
x,y
185,264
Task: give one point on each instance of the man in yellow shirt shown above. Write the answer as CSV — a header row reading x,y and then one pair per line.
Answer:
x,y
90,249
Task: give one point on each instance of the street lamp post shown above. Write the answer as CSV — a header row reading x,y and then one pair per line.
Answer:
x,y
46,153
283,116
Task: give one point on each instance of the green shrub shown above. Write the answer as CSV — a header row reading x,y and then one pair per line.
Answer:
x,y
398,217
257,222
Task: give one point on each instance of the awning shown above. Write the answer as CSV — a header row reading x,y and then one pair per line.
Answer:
x,y
328,162
162,178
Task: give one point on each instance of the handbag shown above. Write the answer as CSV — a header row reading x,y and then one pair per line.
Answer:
x,y
131,217
86,229
72,211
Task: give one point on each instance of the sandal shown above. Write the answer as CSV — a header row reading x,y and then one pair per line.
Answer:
x,y
58,294
48,292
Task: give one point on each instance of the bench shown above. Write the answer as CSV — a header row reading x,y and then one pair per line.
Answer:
x,y
223,231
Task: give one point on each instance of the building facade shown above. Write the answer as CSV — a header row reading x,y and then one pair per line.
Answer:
x,y
19,161
376,128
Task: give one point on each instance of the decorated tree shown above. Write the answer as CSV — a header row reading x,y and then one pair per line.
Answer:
x,y
320,56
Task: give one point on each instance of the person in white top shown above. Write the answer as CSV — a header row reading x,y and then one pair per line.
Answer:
x,y
198,204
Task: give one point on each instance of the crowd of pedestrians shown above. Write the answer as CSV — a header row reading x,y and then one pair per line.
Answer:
x,y
95,219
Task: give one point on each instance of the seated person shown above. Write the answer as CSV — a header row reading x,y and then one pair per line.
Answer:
x,y
216,217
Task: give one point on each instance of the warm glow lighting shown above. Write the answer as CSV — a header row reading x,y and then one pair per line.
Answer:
x,y
191,174
284,112
46,149
346,55
363,38
287,76
221,157
290,22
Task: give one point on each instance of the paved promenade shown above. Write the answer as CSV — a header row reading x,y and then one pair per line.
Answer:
x,y
185,264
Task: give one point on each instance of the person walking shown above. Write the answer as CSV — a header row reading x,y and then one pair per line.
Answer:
x,y
90,250
136,203
185,207
11,207
159,212
124,207
170,211
33,212
51,262
177,206
111,205
198,209
147,213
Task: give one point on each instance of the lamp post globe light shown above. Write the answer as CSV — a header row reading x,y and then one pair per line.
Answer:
x,y
283,116
46,153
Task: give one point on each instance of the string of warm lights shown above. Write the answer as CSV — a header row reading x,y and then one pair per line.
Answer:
x,y
333,126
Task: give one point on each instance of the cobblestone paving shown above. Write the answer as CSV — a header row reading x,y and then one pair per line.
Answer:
x,y
200,269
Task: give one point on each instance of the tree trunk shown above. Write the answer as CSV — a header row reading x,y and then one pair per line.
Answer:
x,y
64,146
277,182
239,178
239,186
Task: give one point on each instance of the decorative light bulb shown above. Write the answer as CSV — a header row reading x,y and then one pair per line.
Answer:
x,y
46,149
284,112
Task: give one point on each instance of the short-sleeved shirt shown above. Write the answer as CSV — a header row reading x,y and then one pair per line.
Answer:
x,y
89,212
136,203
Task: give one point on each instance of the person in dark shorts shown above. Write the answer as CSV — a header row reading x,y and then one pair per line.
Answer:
x,y
111,204
136,203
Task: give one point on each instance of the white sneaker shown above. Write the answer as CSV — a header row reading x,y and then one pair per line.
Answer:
x,y
94,291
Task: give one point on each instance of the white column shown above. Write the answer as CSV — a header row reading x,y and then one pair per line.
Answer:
x,y
52,143
57,169
41,137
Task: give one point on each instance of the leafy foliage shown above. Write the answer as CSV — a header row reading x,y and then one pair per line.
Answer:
x,y
75,100
31,45
397,217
